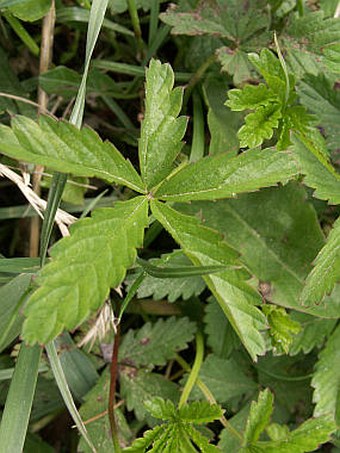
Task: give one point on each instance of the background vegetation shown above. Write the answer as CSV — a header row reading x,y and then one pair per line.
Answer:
x,y
195,305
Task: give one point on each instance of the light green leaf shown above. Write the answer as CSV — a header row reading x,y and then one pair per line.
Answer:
x,y
250,97
199,412
155,344
326,272
161,131
259,416
235,62
306,438
62,147
204,247
278,235
314,163
221,337
311,43
170,288
281,328
29,10
139,385
223,177
319,96
326,379
313,334
225,379
260,125
83,268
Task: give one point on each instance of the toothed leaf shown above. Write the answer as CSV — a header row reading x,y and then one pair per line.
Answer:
x,y
83,268
205,247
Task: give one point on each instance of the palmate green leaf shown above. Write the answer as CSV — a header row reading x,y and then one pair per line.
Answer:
x,y
204,247
326,272
83,268
260,125
63,148
319,96
155,344
223,177
161,130
278,236
311,43
250,97
319,173
177,434
326,379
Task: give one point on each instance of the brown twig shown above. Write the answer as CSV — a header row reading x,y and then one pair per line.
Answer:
x,y
46,50
112,393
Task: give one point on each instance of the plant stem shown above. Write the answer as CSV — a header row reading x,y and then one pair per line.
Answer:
x,y
209,397
197,77
195,370
47,37
112,393
300,7
21,31
136,28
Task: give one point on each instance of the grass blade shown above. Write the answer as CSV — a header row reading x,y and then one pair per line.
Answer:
x,y
19,400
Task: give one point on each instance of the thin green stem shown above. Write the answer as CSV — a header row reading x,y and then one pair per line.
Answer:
x,y
209,397
194,371
136,27
197,147
131,293
284,67
154,13
112,395
300,7
197,77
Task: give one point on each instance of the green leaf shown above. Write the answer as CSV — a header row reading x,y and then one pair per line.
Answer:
x,y
223,123
326,379
319,96
177,434
319,173
139,385
225,379
313,334
306,438
221,337
250,97
161,131
260,125
204,247
62,147
99,428
170,288
12,297
223,177
282,328
326,272
311,43
83,268
259,416
155,344
278,235
235,62
230,441
29,10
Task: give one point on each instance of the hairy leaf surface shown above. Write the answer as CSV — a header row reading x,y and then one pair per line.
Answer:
x,y
326,272
64,148
83,268
223,177
155,344
205,247
278,235
161,131
315,165
326,379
